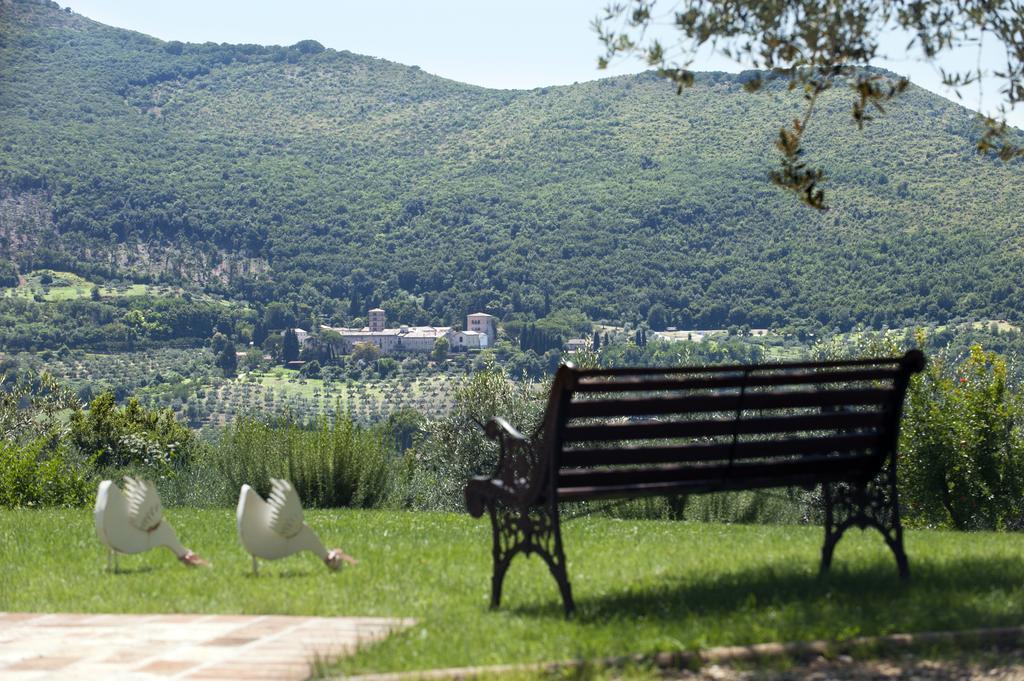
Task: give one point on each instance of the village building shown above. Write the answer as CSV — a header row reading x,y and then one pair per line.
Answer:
x,y
409,338
574,344
468,340
483,323
378,320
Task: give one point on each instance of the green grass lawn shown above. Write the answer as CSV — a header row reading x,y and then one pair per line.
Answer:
x,y
70,286
640,586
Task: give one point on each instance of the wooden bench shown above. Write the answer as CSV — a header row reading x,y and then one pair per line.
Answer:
x,y
624,433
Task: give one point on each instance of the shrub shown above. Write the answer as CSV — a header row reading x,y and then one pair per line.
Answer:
x,y
310,369
31,476
962,454
131,435
456,448
961,450
30,407
330,465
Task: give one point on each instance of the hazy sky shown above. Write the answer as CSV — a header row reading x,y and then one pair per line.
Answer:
x,y
522,44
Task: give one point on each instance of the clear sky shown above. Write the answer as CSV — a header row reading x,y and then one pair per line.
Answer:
x,y
522,44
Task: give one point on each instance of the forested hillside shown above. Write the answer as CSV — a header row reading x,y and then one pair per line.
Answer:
x,y
336,182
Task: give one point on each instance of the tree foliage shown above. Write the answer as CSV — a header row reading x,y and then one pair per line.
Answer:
x,y
455,447
30,406
227,359
440,350
816,45
322,183
290,346
365,352
963,447
131,435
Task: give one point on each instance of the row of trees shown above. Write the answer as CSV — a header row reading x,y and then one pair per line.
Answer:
x,y
961,450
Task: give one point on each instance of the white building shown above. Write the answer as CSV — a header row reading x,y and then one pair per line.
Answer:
x,y
574,344
467,340
485,324
407,338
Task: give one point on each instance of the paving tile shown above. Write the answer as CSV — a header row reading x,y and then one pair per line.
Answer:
x,y
180,618
264,628
41,663
296,671
167,667
93,670
127,657
20,616
24,676
151,647
65,621
243,619
230,641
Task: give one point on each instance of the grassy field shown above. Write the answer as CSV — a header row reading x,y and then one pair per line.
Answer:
x,y
70,286
641,586
365,400
436,388
187,381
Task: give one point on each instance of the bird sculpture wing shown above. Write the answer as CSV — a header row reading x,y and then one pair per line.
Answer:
x,y
285,513
144,509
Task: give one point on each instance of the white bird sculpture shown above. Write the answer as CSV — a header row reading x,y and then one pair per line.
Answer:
x,y
274,529
133,522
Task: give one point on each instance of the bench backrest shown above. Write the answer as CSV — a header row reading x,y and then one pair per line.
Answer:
x,y
625,432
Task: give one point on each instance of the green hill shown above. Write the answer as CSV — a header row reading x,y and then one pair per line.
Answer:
x,y
338,181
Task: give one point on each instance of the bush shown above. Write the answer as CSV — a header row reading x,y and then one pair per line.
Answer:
x,y
131,435
455,448
29,476
330,465
961,449
310,369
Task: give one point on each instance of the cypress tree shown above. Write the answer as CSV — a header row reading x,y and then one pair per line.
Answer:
x,y
290,346
227,360
259,333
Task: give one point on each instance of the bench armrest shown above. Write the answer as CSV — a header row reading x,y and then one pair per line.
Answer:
x,y
499,429
517,475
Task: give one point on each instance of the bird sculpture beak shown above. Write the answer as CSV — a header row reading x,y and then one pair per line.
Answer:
x,y
335,556
190,559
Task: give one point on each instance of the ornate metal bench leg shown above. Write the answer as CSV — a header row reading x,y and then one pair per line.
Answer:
x,y
560,572
527,530
501,553
874,504
831,536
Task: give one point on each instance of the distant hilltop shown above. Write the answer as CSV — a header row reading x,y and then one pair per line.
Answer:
x,y
332,182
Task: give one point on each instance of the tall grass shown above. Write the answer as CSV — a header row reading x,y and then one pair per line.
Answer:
x,y
331,464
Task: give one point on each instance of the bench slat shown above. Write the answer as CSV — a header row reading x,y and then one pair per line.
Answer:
x,y
577,458
838,465
652,406
700,486
732,380
713,427
910,359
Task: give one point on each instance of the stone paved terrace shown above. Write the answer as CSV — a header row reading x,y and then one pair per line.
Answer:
x,y
149,647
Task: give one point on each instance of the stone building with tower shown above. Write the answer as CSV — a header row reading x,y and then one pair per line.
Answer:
x,y
485,324
481,332
378,320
